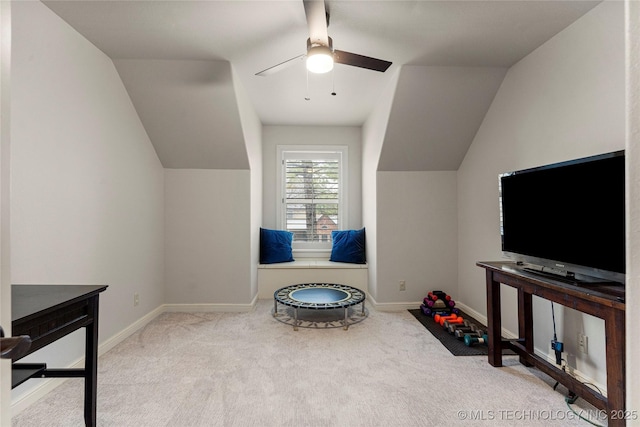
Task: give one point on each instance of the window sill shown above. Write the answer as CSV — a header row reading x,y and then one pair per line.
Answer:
x,y
313,263
318,254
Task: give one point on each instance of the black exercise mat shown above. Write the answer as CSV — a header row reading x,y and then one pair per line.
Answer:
x,y
454,345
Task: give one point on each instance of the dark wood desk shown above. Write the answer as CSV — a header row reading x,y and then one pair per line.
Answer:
x,y
603,301
49,312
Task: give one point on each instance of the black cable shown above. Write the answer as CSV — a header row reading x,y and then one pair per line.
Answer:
x,y
572,397
553,316
580,416
557,346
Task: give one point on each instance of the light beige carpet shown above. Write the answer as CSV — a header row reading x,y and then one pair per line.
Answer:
x,y
247,369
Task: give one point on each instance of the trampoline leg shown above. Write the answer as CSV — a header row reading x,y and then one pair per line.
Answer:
x,y
345,324
362,313
295,319
275,307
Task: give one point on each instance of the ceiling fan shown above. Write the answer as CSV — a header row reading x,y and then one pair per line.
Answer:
x,y
320,54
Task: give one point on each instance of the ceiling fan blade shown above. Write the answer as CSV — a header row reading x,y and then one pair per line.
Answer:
x,y
280,66
348,58
316,15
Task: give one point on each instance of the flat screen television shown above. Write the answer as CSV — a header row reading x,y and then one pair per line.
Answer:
x,y
567,219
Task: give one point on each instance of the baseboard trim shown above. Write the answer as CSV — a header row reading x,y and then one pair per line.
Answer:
x,y
29,398
400,306
574,372
391,306
483,319
128,331
48,385
206,308
580,376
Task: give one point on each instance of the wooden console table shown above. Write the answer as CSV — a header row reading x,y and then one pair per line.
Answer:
x,y
49,312
603,301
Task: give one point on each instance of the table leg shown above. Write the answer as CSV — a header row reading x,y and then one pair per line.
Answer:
x,y
614,327
91,365
494,321
525,323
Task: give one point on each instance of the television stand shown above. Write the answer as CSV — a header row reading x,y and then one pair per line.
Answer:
x,y
604,302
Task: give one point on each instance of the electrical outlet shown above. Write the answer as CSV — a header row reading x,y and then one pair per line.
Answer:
x,y
582,343
136,299
402,285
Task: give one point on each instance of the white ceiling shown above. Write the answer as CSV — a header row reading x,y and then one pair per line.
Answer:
x,y
181,60
254,35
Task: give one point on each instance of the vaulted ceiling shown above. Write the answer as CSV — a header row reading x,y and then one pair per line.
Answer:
x,y
178,60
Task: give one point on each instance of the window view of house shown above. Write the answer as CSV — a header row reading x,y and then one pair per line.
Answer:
x,y
312,190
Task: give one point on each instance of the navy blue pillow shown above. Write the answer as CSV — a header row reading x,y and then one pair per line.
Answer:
x,y
348,246
275,246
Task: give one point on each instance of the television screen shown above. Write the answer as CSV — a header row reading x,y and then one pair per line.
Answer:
x,y
568,216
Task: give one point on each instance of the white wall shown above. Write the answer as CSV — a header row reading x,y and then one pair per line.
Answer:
x,y
87,186
207,247
417,218
5,259
373,133
351,136
252,130
633,196
565,100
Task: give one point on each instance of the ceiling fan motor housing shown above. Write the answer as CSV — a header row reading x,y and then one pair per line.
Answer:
x,y
319,57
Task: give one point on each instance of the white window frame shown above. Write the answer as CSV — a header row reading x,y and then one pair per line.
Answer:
x,y
341,152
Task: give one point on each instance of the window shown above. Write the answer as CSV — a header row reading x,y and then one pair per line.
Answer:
x,y
311,192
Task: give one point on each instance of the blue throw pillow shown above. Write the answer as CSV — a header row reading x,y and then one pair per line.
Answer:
x,y
348,246
275,246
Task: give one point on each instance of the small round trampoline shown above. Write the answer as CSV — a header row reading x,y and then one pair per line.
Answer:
x,y
327,297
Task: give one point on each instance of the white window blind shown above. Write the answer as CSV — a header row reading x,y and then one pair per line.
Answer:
x,y
311,195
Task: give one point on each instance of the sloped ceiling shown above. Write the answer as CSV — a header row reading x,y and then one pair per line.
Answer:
x,y
194,111
189,110
435,114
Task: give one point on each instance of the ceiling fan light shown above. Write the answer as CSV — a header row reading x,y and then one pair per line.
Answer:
x,y
319,59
